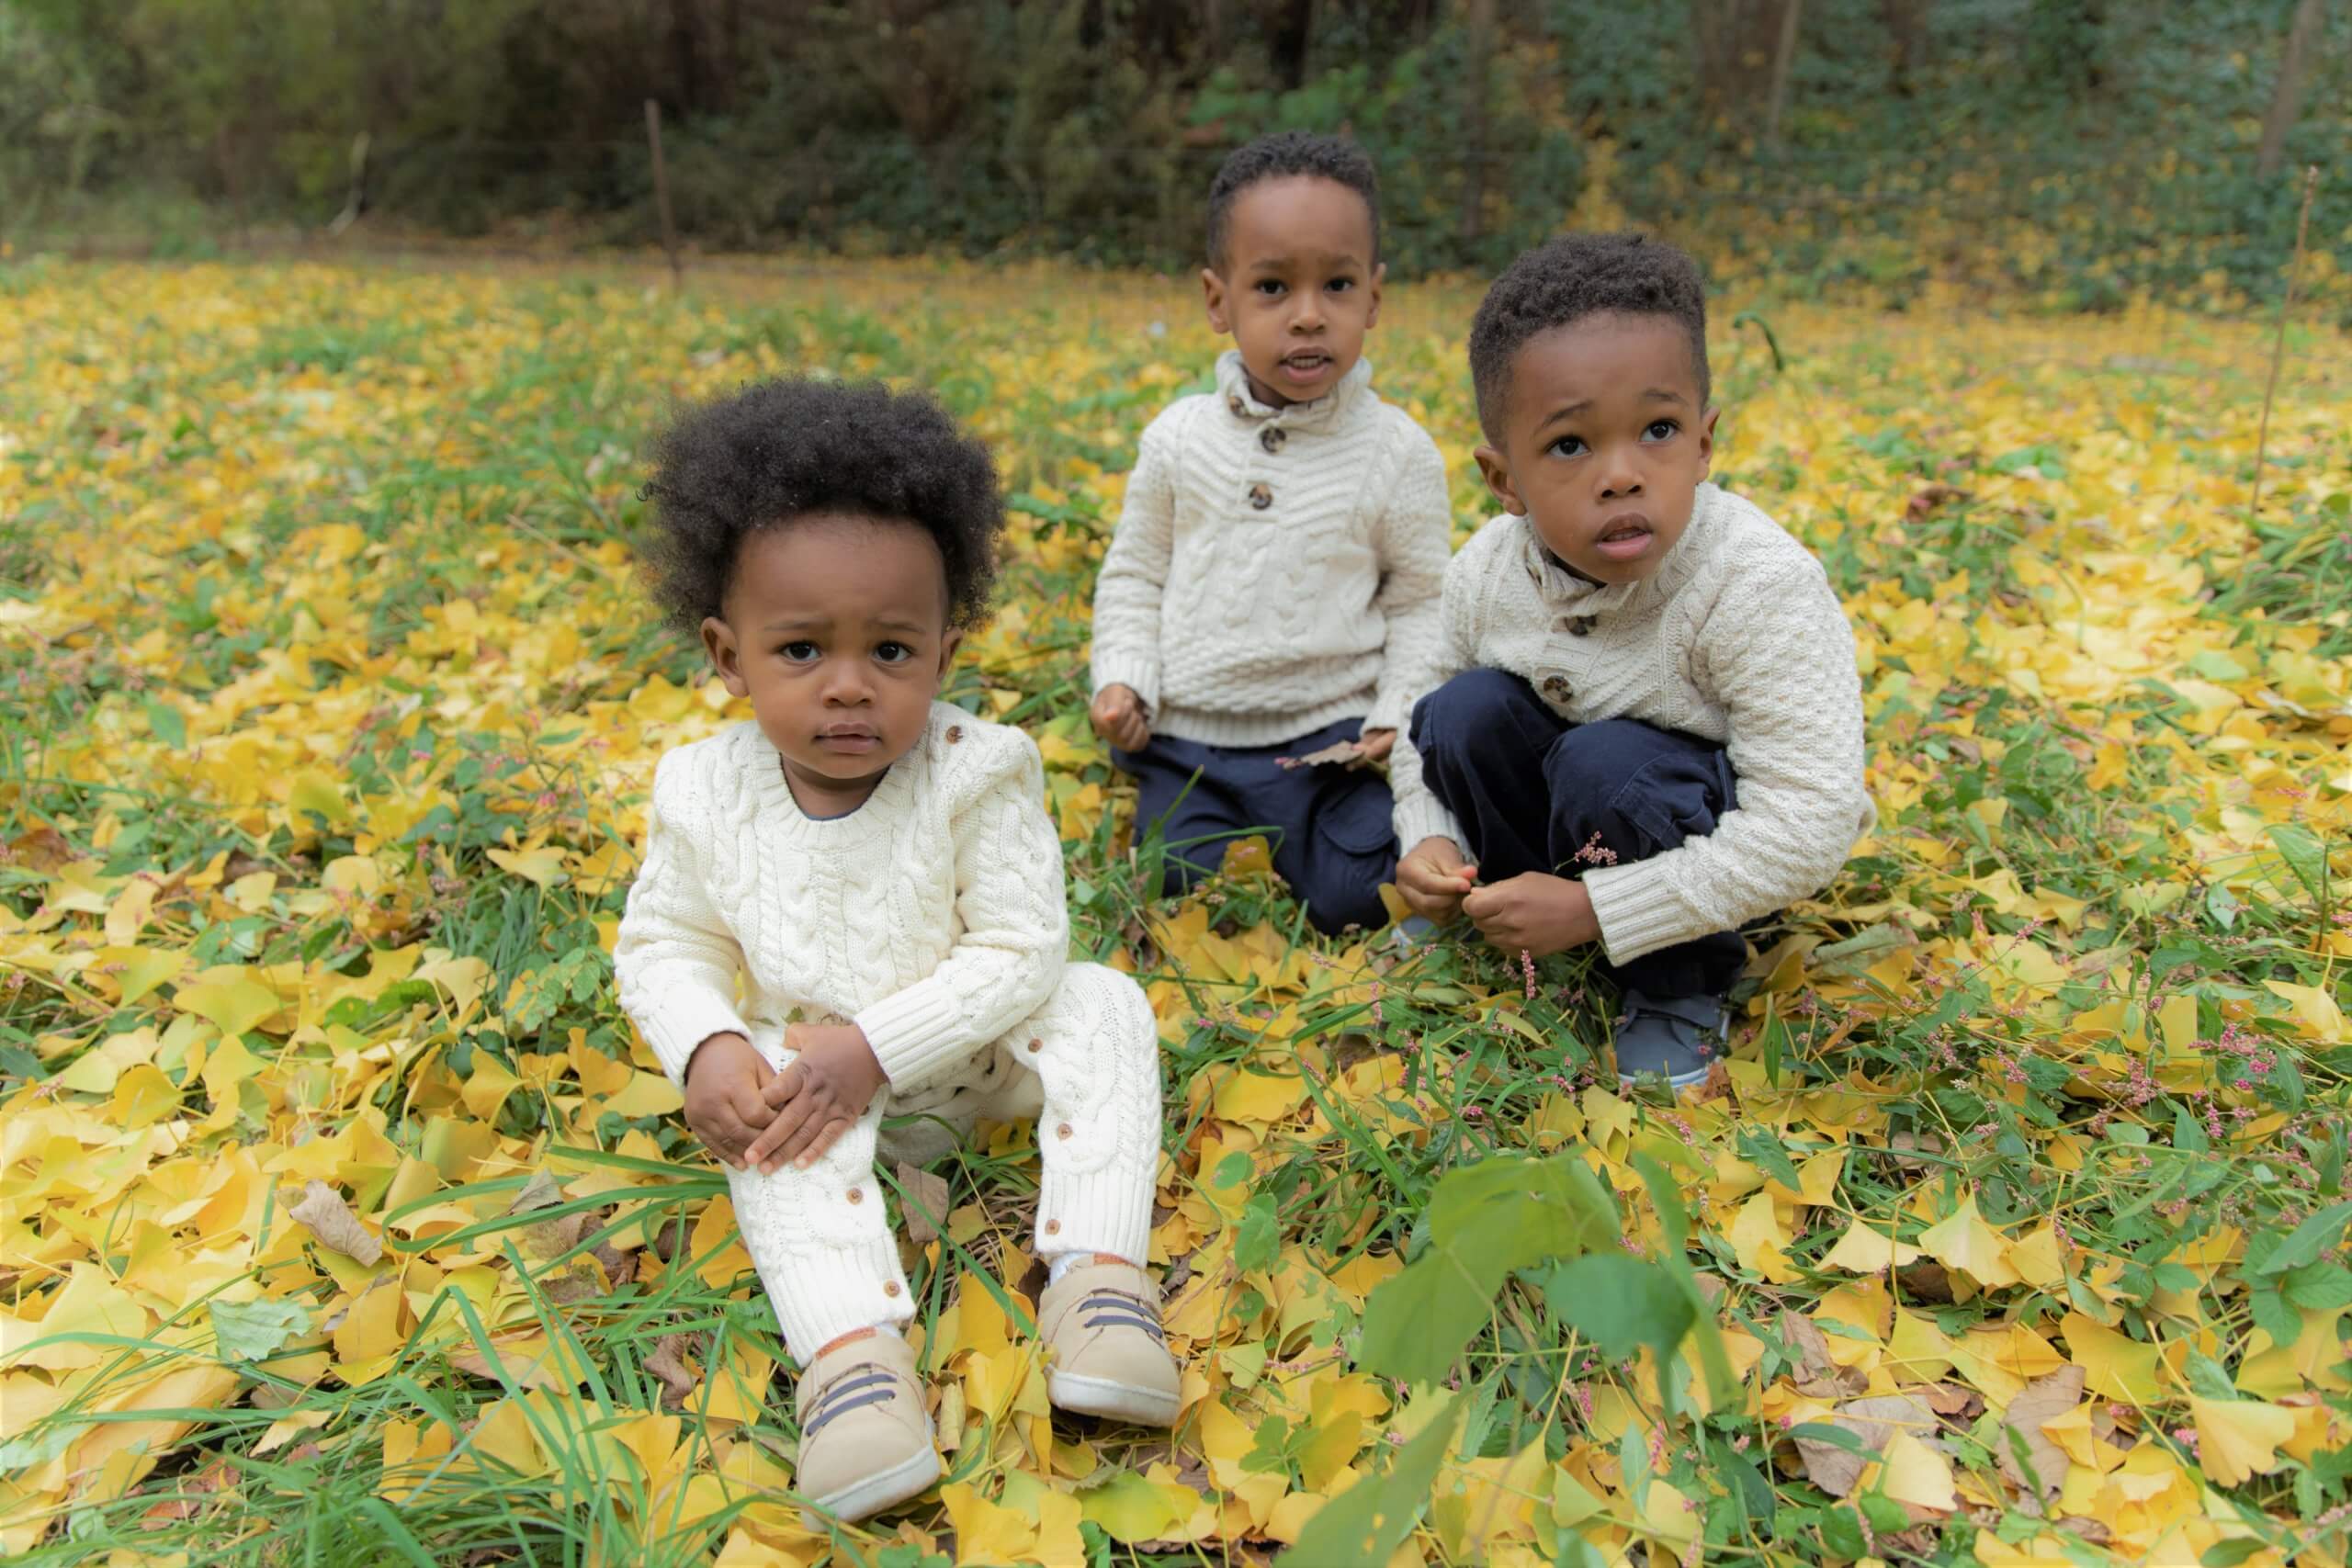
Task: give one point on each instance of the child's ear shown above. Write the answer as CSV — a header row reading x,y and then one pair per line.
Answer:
x,y
1497,472
1213,293
1379,275
947,647
1707,440
718,641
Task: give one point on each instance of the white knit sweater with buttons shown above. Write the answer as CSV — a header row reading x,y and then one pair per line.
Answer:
x,y
1735,639
1275,570
931,917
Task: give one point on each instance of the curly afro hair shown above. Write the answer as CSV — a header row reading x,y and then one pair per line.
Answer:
x,y
783,449
1568,279
1279,156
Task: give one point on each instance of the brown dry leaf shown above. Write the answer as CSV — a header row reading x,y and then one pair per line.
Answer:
x,y
923,1203
1873,1422
1956,1400
620,1268
666,1363
325,1213
2044,1399
1346,752
1816,1375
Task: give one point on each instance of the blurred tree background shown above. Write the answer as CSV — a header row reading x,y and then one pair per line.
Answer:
x,y
2084,151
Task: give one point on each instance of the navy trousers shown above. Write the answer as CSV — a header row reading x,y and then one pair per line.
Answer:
x,y
1329,826
1536,792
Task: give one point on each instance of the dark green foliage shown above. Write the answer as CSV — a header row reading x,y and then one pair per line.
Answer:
x,y
2124,134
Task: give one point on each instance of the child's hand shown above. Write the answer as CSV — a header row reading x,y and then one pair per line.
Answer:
x,y
1534,913
1433,878
818,1095
1373,745
724,1107
1118,717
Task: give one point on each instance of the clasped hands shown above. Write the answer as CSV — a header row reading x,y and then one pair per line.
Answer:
x,y
1534,912
751,1116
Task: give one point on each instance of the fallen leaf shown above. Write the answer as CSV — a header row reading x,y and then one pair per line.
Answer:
x,y
922,1203
2044,1399
330,1219
1873,1422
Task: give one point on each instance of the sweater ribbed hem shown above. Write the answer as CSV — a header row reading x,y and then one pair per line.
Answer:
x,y
819,1296
1425,817
917,1034
1637,911
1257,730
1101,1211
683,1020
1138,673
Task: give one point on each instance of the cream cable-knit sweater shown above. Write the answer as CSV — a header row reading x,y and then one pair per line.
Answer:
x,y
931,917
1275,570
1736,639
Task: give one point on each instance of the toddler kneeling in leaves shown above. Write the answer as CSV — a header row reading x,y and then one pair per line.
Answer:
x,y
877,869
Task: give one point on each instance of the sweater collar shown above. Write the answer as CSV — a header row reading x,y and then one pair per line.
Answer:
x,y
1564,589
1233,388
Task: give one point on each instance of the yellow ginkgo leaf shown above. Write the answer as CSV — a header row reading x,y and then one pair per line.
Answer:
x,y
2237,1439
984,1532
1963,1241
2113,1364
1862,1250
543,866
1917,1475
2316,1013
234,1003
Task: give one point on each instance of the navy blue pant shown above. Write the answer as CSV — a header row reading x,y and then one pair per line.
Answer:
x,y
1329,826
1536,792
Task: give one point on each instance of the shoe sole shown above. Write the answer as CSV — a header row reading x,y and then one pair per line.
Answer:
x,y
910,1477
1118,1401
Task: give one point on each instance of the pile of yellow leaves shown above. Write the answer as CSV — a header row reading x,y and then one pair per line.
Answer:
x,y
336,1189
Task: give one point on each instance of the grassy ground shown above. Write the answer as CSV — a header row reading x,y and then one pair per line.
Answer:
x,y
344,1223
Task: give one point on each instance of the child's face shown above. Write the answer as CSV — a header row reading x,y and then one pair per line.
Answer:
x,y
1605,442
1299,286
836,629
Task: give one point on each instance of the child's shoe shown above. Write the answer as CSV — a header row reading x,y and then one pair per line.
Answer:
x,y
1109,1356
865,1443
1679,1039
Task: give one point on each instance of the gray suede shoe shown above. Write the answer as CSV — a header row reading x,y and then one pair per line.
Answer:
x,y
1679,1038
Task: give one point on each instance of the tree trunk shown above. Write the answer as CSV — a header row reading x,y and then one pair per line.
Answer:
x,y
2286,97
1783,54
1474,181
1906,31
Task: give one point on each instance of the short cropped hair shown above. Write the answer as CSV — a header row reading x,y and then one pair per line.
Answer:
x,y
1568,279
1279,156
783,449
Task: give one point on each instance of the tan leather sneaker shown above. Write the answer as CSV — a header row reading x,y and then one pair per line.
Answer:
x,y
865,1443
1107,1354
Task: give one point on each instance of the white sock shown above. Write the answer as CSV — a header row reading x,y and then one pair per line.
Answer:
x,y
1062,1263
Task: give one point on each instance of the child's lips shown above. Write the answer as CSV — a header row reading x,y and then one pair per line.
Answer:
x,y
853,740
1304,366
1623,537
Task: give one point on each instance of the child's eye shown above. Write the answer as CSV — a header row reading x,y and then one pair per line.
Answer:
x,y
1661,430
1340,285
799,651
1568,446
1270,286
893,652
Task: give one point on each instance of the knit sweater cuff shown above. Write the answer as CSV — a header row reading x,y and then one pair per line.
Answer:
x,y
683,1020
1638,910
1422,816
917,1034
1136,672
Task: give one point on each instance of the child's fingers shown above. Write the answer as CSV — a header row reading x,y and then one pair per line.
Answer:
x,y
780,1089
776,1142
825,1139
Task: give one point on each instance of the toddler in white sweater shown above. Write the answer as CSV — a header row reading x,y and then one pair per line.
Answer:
x,y
1271,591
1640,677
851,908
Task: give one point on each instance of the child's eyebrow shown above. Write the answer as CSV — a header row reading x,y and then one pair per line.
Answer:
x,y
1665,395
